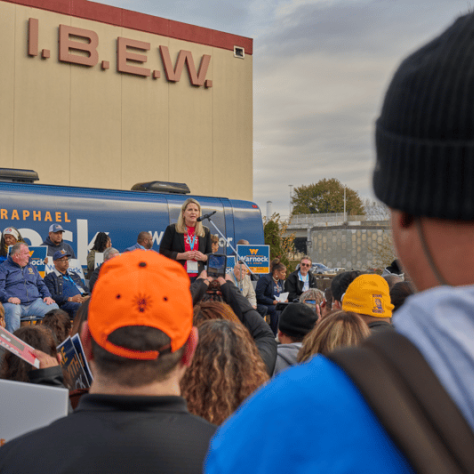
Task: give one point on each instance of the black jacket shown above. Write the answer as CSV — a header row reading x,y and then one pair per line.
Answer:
x,y
251,319
294,285
55,285
264,290
172,243
109,434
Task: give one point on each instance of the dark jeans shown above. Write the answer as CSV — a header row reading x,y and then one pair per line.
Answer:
x,y
274,318
71,308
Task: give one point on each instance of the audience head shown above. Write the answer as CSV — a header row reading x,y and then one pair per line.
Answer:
x,y
215,243
277,269
338,329
339,285
313,298
109,253
20,254
140,320
80,318
243,242
296,320
39,337
305,265
399,293
10,236
206,310
368,295
145,239
240,271
392,280
326,307
225,370
101,242
61,260
56,233
60,324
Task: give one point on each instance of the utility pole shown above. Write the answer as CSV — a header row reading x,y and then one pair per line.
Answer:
x,y
291,195
344,205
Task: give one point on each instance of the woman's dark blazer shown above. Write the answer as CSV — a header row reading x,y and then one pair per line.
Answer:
x,y
172,243
264,290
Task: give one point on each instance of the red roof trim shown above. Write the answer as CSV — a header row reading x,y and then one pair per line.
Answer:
x,y
141,22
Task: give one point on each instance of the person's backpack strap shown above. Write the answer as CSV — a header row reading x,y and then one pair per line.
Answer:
x,y
410,402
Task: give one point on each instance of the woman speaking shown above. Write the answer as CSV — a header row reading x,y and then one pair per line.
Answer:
x,y
188,241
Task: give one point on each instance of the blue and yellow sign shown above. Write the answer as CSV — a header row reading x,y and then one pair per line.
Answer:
x,y
257,257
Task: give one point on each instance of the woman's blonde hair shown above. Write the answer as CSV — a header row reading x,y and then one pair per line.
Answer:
x,y
338,329
181,226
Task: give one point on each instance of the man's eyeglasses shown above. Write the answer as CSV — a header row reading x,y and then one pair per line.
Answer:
x,y
305,265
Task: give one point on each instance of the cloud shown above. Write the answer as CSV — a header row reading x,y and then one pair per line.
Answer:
x,y
321,68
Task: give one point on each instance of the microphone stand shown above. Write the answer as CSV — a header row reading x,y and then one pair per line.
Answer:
x,y
229,245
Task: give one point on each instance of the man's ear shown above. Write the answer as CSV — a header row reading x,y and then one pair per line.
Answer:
x,y
403,219
86,340
190,347
337,304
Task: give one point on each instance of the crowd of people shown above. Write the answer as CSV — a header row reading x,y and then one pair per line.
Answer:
x,y
368,376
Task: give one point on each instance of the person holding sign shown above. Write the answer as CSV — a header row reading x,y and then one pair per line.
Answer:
x,y
188,241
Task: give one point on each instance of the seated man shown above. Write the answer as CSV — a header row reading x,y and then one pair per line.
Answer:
x,y
65,286
22,290
144,242
55,241
242,281
300,280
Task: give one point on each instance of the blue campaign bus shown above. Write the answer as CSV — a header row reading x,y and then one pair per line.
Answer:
x,y
84,212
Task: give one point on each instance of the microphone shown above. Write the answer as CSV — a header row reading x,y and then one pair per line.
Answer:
x,y
206,216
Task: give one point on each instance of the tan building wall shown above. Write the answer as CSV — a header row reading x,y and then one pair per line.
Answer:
x,y
88,126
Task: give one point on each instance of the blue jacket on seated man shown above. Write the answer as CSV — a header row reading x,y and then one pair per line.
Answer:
x,y
23,292
66,286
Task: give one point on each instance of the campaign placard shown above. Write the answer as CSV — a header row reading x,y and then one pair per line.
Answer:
x,y
230,264
18,347
257,257
76,340
71,361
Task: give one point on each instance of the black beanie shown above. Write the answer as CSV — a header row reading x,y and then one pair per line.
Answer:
x,y
425,134
297,319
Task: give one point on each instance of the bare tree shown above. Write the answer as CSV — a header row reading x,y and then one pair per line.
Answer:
x,y
376,210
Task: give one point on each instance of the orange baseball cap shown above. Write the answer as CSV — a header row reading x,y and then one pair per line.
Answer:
x,y
141,288
370,295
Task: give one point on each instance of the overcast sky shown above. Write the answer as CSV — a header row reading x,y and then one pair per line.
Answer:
x,y
321,68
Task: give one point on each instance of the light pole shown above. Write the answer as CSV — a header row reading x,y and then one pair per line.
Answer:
x,y
344,204
291,194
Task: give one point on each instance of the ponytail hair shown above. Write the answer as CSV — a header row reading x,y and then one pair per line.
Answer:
x,y
276,265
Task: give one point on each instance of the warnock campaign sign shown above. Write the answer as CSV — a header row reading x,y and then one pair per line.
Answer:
x,y
257,257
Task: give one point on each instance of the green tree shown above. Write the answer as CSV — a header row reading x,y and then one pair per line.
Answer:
x,y
281,246
326,196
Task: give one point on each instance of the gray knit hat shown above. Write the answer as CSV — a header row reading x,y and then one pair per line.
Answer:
x,y
425,134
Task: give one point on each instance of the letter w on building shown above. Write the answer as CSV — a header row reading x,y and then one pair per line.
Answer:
x,y
174,75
